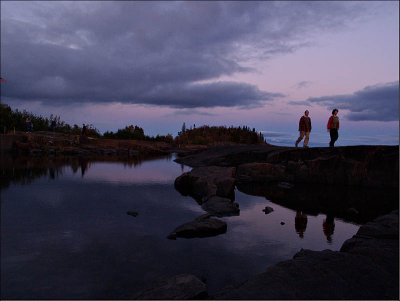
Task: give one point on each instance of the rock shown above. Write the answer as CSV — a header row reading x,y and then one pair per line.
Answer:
x,y
203,226
367,267
352,211
179,287
132,213
219,206
225,187
204,182
364,166
285,185
268,210
282,223
260,172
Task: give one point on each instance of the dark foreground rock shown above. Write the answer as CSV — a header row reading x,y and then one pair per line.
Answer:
x,y
180,287
366,267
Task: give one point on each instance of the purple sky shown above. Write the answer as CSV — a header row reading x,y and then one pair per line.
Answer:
x,y
159,64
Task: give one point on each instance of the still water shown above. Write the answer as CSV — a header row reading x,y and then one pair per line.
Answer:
x,y
66,234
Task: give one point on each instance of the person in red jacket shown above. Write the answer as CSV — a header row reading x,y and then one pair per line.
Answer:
x,y
304,129
333,127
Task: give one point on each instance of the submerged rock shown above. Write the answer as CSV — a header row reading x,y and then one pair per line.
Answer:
x,y
267,210
179,287
132,213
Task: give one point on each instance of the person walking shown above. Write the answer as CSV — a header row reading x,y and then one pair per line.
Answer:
x,y
304,129
333,127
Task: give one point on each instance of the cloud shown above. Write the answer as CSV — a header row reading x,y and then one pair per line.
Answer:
x,y
376,103
303,84
152,52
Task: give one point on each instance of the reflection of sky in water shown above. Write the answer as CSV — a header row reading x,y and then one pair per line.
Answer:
x,y
70,237
154,171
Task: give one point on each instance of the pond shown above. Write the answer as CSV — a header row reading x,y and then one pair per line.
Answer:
x,y
66,234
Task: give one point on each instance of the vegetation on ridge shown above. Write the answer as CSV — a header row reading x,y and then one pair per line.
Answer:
x,y
11,120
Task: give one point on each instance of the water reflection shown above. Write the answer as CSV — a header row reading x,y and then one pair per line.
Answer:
x,y
25,170
98,230
328,227
84,164
300,222
354,204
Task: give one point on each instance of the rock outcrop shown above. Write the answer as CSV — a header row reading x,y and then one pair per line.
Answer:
x,y
344,181
366,267
365,166
205,182
212,187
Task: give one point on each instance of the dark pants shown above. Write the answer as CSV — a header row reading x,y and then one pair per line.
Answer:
x,y
334,136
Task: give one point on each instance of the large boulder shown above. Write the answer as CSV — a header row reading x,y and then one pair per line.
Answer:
x,y
204,182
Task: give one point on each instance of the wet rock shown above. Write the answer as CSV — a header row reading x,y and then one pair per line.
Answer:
x,y
203,226
267,210
219,206
179,287
132,213
204,182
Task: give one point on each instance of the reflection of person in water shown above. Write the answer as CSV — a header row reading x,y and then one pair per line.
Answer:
x,y
329,227
300,223
84,165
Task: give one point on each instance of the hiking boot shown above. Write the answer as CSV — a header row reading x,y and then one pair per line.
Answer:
x,y
305,146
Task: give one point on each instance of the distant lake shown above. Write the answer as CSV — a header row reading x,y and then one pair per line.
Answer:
x,y
66,234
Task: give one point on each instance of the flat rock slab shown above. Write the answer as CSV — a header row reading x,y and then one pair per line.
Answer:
x,y
203,226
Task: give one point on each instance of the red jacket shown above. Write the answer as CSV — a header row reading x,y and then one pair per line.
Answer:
x,y
330,123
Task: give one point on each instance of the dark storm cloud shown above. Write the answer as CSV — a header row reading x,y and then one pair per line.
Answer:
x,y
375,103
151,52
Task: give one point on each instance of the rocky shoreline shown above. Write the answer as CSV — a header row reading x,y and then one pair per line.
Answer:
x,y
364,181
365,268
355,183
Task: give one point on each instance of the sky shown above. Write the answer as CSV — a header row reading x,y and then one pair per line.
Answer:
x,y
161,64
